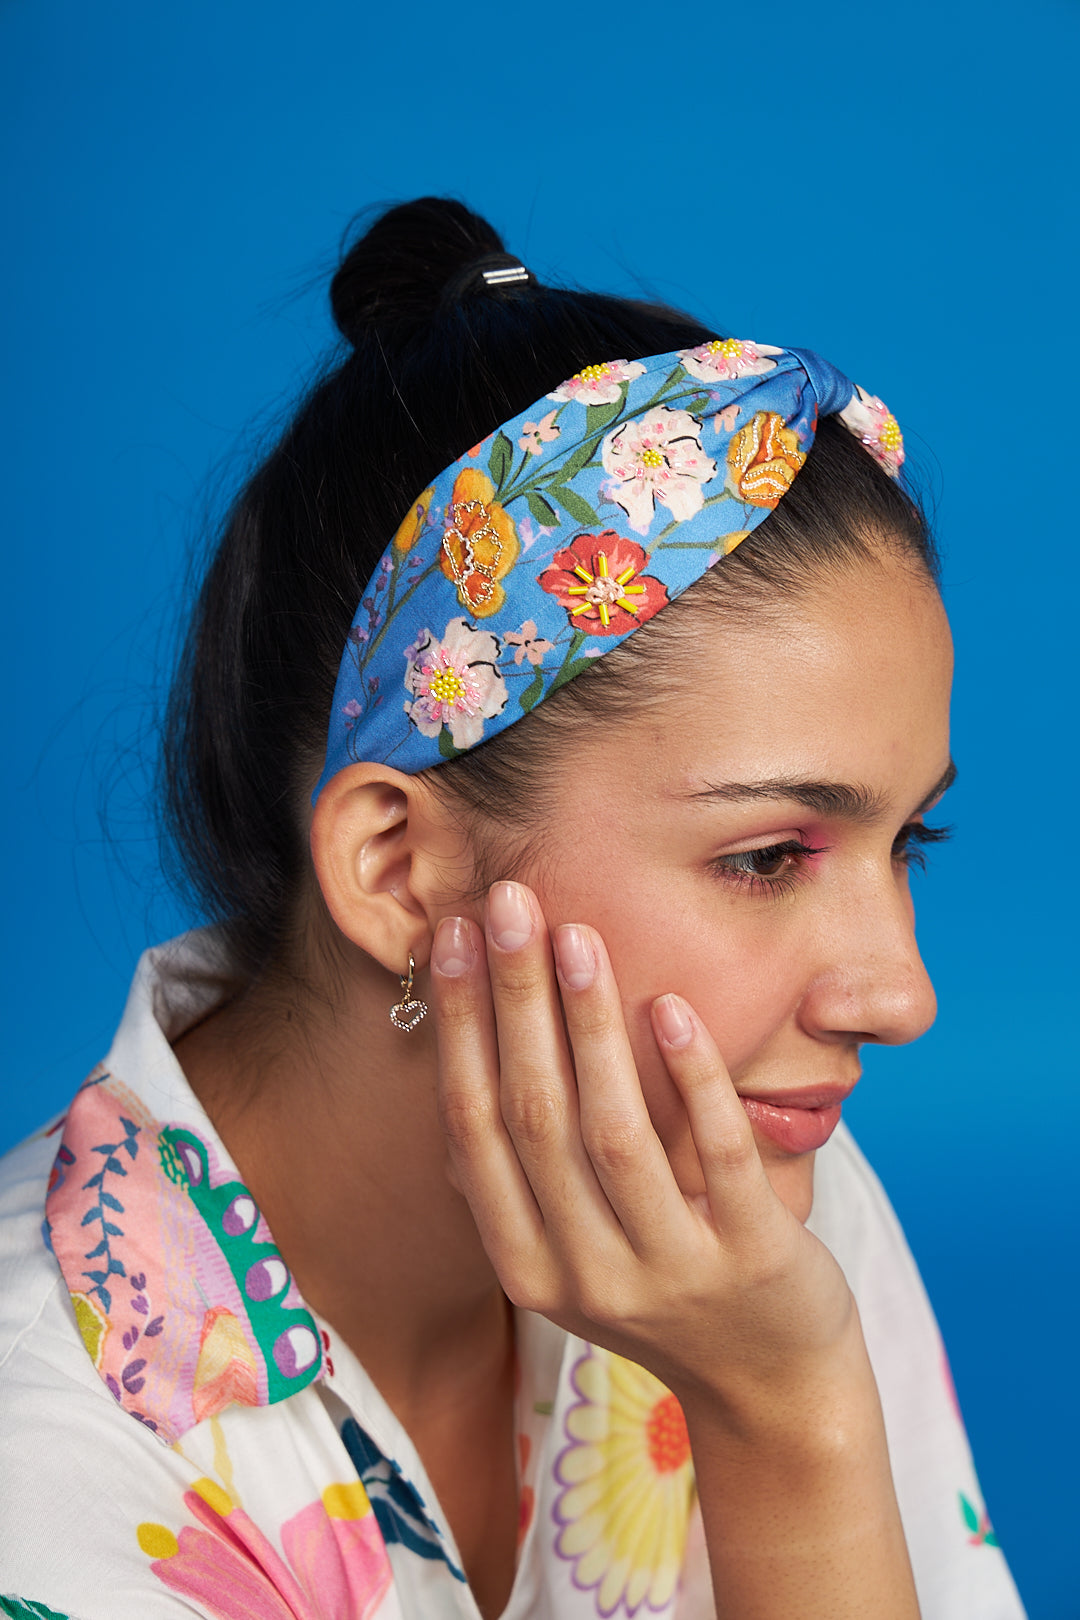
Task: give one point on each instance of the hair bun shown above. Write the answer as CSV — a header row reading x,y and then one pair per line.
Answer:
x,y
410,261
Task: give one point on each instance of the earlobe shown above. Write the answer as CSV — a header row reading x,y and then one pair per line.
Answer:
x,y
363,847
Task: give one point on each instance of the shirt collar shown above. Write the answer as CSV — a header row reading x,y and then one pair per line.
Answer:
x,y
181,1296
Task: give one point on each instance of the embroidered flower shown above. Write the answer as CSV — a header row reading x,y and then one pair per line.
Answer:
x,y
598,385
537,434
479,543
724,359
412,527
657,458
454,682
528,644
599,582
763,459
337,1568
870,419
628,1485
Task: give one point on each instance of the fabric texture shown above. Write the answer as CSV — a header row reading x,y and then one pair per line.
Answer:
x,y
564,531
181,1435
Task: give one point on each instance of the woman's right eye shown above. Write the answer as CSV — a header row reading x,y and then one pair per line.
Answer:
x,y
772,869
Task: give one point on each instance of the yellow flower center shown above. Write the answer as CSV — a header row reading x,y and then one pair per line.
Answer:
x,y
730,348
590,374
447,686
666,1436
890,438
601,589
651,458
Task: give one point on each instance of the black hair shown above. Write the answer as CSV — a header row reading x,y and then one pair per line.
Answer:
x,y
438,357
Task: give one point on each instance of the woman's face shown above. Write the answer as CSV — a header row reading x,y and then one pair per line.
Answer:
x,y
745,841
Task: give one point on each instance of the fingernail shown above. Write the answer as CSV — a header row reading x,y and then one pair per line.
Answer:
x,y
509,916
673,1017
452,950
577,962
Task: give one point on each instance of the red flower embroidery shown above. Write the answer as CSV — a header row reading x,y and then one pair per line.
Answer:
x,y
599,582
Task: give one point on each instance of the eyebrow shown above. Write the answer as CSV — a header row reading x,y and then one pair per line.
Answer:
x,y
846,800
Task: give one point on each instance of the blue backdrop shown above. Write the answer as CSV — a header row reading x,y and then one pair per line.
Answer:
x,y
893,186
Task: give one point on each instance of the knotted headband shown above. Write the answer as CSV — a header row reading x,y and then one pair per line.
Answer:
x,y
569,527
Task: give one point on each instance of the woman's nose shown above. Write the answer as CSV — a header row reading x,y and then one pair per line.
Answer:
x,y
872,984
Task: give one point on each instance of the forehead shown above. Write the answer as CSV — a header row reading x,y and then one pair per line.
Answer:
x,y
849,681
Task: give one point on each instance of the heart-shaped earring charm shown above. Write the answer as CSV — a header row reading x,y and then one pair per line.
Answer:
x,y
407,1013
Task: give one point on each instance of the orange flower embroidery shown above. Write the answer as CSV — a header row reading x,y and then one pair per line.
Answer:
x,y
479,545
764,457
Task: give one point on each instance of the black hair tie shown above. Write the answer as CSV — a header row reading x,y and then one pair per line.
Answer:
x,y
494,272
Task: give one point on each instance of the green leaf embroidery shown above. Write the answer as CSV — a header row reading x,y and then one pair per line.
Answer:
x,y
19,1609
598,417
446,745
543,511
572,503
499,462
971,1518
533,692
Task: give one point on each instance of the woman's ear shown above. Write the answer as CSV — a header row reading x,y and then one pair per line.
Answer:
x,y
373,839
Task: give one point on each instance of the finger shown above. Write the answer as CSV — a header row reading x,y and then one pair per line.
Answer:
x,y
538,1089
483,1157
623,1147
738,1189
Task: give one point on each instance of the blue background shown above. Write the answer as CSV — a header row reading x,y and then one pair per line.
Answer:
x,y
891,185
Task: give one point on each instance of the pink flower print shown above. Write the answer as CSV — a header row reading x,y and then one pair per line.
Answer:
x,y
870,419
724,359
598,385
528,644
455,683
340,1568
537,434
657,458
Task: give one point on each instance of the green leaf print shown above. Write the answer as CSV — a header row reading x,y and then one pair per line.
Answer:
x,y
598,417
574,463
20,1609
533,692
574,504
446,745
543,511
500,460
971,1518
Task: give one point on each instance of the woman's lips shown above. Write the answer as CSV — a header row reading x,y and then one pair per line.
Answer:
x,y
796,1124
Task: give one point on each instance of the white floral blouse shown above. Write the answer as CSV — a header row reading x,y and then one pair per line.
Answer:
x,y
182,1435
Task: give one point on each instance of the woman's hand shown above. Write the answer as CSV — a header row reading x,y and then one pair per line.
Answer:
x,y
726,1298
576,1201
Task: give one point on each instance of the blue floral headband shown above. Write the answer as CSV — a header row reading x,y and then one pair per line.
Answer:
x,y
567,529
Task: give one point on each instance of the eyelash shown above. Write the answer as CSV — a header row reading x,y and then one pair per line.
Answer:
x,y
907,850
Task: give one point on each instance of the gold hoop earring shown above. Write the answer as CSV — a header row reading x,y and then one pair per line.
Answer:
x,y
407,1013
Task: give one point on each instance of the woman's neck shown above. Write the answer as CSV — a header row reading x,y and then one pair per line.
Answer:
x,y
330,1115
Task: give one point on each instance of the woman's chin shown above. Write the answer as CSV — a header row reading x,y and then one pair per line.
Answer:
x,y
792,1178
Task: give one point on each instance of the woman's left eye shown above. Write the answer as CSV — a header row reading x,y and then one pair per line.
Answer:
x,y
910,841
772,869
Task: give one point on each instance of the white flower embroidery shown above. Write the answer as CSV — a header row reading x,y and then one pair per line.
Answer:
x,y
870,419
454,682
724,359
657,458
598,385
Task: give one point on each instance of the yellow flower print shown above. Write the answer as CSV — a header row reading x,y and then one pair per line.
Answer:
x,y
412,527
479,545
763,458
628,1485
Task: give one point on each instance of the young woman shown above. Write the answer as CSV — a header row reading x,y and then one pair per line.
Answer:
x,y
465,1224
